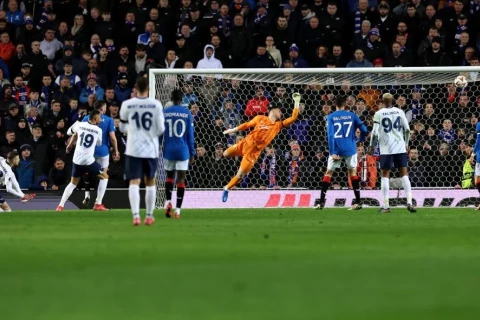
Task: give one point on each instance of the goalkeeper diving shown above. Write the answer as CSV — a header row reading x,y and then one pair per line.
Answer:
x,y
265,130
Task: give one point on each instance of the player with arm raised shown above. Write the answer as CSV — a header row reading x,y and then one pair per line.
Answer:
x,y
265,130
86,136
391,129
142,119
341,128
178,149
102,153
7,178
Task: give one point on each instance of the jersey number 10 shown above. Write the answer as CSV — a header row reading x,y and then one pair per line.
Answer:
x,y
176,128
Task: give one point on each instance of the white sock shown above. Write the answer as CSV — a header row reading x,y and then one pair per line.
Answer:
x,y
385,192
1,210
134,197
87,194
150,197
177,211
67,193
408,188
167,203
102,187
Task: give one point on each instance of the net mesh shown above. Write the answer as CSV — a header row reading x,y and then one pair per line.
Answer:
x,y
442,118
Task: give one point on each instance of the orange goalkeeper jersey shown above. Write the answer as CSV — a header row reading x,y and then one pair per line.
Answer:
x,y
265,131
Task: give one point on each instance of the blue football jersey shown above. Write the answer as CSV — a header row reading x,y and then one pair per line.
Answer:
x,y
107,126
476,148
179,135
341,128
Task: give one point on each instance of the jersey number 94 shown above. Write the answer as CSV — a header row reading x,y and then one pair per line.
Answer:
x,y
389,126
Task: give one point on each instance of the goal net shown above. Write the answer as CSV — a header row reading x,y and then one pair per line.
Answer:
x,y
442,118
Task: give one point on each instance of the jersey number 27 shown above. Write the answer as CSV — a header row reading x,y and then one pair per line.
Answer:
x,y
338,128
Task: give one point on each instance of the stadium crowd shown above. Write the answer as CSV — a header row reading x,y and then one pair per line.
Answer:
x,y
57,57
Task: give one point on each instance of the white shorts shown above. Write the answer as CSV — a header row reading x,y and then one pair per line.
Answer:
x,y
103,161
351,162
171,165
477,169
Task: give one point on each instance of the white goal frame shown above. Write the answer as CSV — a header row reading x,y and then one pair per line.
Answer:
x,y
321,76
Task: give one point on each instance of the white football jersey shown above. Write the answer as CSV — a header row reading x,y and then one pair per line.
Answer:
x,y
145,126
88,137
391,125
6,171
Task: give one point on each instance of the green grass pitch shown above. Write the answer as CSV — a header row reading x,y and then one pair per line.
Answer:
x,y
241,264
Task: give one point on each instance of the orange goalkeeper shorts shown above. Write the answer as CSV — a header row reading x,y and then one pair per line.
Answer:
x,y
248,152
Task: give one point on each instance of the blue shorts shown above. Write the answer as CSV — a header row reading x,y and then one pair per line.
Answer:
x,y
389,161
137,168
94,169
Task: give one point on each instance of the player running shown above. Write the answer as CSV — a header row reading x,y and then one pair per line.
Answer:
x,y
142,119
391,129
86,136
178,149
341,128
102,153
7,179
250,148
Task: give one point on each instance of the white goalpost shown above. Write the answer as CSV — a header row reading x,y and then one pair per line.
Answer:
x,y
442,118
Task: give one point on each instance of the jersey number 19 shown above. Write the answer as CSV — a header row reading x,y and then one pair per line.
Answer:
x,y
176,128
86,140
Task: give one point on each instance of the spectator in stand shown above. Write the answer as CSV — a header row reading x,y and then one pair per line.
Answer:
x,y
258,105
338,57
360,38
25,171
373,47
273,51
272,170
122,91
39,62
359,61
201,168
14,14
20,92
65,93
59,175
241,42
74,79
366,169
447,134
35,102
295,167
295,58
435,56
7,49
361,109
209,61
427,42
10,144
371,96
50,45
156,49
262,60
52,116
92,88
397,58
459,50
110,97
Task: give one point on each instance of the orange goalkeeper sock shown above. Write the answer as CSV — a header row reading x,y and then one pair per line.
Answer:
x,y
233,183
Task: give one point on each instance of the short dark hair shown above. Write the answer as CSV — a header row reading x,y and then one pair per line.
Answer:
x,y
176,96
98,104
12,155
142,84
93,113
339,101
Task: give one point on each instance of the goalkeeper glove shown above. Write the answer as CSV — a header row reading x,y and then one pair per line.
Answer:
x,y
296,98
229,131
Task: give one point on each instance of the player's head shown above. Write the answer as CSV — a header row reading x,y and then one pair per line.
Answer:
x,y
95,117
387,99
340,102
13,158
101,106
274,111
142,86
176,97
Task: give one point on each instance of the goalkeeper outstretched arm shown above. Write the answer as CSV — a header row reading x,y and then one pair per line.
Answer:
x,y
287,122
